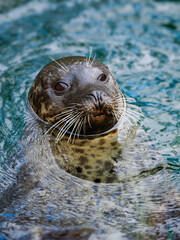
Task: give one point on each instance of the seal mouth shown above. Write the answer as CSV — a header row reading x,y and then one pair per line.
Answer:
x,y
93,134
99,123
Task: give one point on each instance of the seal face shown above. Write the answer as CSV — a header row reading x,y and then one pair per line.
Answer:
x,y
77,95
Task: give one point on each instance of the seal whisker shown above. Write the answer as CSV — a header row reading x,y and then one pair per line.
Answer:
x,y
93,60
124,122
123,97
74,134
115,116
78,129
90,53
131,117
59,122
134,106
118,116
63,113
129,112
65,127
70,109
88,117
134,113
129,121
119,98
60,115
84,125
75,125
64,68
55,125
131,105
128,99
60,70
78,119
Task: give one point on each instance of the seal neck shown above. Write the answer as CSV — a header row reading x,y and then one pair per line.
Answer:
x,y
92,159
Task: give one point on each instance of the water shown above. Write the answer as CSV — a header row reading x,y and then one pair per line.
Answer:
x,y
139,41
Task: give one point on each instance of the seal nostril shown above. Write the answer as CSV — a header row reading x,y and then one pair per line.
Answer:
x,y
93,96
97,98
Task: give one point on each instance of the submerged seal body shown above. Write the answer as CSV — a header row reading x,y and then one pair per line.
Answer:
x,y
80,103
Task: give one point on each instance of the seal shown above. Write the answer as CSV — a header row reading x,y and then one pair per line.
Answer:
x,y
87,124
80,104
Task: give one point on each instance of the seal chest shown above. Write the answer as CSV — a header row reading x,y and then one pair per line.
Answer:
x,y
91,159
78,103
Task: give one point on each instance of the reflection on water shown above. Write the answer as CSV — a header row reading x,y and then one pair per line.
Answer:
x,y
139,41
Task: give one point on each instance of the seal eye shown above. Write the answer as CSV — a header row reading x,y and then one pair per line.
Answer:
x,y
102,78
60,87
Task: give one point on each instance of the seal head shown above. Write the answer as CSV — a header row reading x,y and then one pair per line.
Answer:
x,y
77,95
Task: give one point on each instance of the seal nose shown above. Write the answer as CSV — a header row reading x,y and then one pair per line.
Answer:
x,y
97,97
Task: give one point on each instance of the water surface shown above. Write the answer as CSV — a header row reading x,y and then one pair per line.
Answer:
x,y
140,42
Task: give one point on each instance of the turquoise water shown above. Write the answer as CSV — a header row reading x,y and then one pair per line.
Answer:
x,y
139,41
